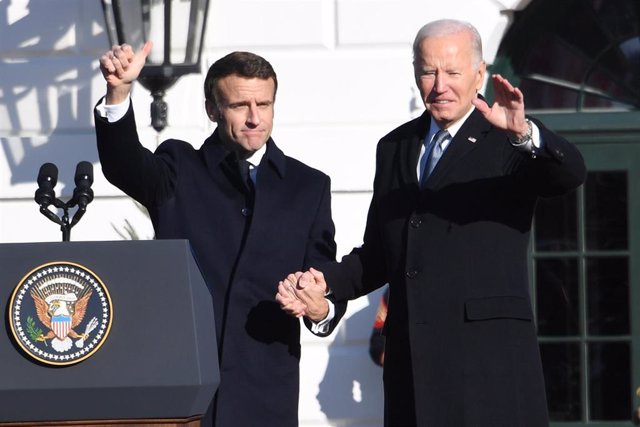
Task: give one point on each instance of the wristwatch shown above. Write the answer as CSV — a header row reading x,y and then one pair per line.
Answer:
x,y
527,137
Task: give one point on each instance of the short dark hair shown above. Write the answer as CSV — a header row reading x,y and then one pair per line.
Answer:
x,y
242,64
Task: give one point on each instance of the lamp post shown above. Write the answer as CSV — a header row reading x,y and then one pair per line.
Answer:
x,y
177,29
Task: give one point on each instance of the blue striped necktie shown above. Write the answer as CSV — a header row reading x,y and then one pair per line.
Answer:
x,y
434,153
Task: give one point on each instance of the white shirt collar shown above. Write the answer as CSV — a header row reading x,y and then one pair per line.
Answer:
x,y
452,129
433,129
256,157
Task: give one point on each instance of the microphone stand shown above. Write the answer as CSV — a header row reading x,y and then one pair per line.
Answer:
x,y
82,196
63,221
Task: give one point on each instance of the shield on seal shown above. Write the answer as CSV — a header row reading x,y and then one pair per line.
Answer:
x,y
60,325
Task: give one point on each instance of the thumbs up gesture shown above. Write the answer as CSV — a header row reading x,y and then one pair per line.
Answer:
x,y
120,67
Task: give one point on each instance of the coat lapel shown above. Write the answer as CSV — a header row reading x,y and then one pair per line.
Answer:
x,y
410,148
270,171
215,156
470,136
269,195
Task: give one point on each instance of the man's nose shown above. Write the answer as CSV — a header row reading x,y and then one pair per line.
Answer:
x,y
440,83
254,115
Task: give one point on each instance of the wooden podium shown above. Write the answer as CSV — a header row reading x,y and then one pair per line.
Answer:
x,y
158,364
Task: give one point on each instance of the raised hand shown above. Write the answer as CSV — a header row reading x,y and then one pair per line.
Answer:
x,y
507,112
120,67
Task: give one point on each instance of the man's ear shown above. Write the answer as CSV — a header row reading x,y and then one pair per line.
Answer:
x,y
482,69
212,111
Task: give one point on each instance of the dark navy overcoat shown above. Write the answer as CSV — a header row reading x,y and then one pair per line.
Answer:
x,y
461,346
242,252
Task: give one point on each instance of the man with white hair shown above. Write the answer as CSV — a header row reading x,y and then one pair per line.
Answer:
x,y
448,228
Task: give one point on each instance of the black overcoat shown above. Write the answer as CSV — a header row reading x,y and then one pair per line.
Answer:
x,y
461,346
195,194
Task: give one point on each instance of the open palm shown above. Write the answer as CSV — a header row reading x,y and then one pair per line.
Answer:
x,y
507,111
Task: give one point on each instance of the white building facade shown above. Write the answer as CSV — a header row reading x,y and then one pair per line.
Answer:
x,y
345,79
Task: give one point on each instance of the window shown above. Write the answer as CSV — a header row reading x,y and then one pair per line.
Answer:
x,y
577,55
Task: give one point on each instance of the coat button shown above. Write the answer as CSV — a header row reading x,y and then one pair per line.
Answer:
x,y
415,222
412,274
246,212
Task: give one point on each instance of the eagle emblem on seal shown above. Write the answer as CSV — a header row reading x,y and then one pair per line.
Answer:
x,y
60,313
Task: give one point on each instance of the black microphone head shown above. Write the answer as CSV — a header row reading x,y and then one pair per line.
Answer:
x,y
47,179
83,194
48,175
84,174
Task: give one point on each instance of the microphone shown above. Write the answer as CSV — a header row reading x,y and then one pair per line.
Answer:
x,y
47,179
83,194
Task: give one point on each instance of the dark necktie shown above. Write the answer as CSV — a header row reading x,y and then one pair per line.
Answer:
x,y
244,168
434,152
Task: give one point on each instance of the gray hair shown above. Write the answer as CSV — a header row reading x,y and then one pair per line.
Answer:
x,y
447,27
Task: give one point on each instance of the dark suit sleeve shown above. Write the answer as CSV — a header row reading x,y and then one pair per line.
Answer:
x,y
128,165
364,269
556,168
340,309
321,248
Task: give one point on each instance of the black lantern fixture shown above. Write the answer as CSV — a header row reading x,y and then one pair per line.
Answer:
x,y
176,27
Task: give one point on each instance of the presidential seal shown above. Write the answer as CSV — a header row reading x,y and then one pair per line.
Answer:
x,y
60,313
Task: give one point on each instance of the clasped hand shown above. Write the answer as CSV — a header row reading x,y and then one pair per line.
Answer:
x,y
303,294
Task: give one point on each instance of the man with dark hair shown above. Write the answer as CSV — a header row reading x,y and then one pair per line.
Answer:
x,y
448,228
230,198
243,64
